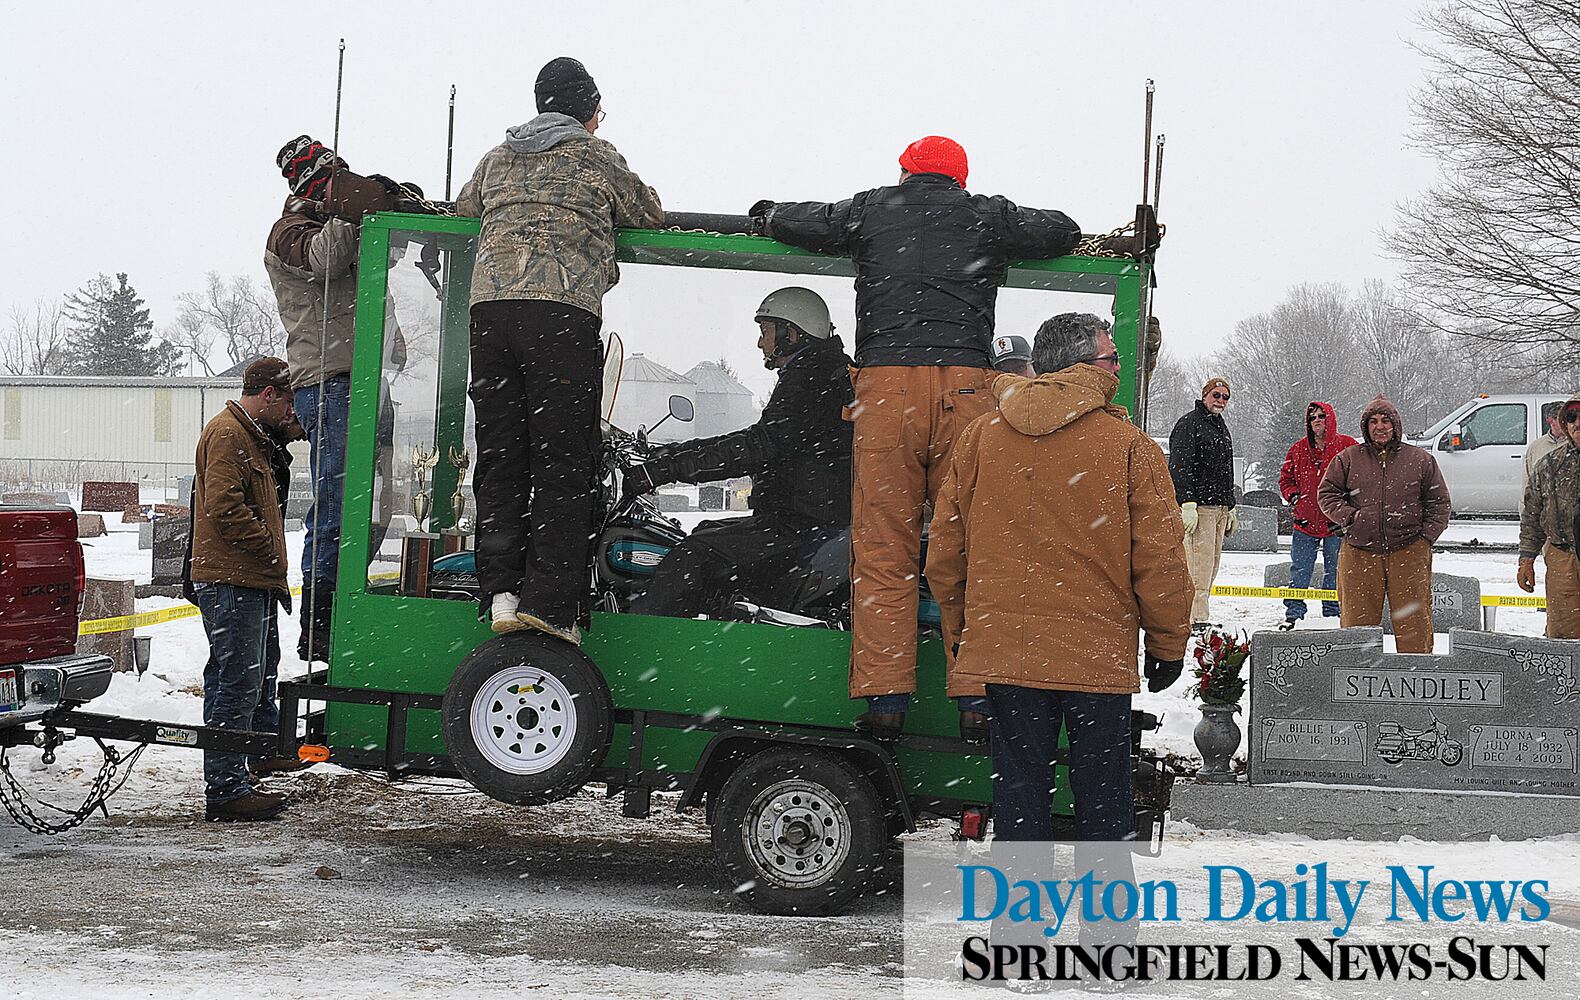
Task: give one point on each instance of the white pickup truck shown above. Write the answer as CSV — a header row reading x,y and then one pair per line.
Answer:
x,y
1480,446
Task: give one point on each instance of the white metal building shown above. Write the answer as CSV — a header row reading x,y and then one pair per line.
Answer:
x,y
62,429
643,399
723,403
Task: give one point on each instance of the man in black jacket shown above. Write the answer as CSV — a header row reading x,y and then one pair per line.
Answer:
x,y
1201,462
798,455
929,260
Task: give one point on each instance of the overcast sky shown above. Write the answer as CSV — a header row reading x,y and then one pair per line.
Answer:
x,y
141,137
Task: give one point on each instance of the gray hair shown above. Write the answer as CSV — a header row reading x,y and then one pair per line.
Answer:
x,y
1066,339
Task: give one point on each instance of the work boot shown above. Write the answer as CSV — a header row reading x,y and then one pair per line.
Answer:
x,y
881,725
248,808
572,635
277,765
974,727
502,614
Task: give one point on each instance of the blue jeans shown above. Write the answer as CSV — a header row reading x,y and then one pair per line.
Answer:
x,y
1302,563
321,548
1024,730
239,679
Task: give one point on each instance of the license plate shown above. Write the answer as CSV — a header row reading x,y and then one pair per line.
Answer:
x,y
9,702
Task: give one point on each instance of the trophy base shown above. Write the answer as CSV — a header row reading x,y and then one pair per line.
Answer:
x,y
418,549
451,540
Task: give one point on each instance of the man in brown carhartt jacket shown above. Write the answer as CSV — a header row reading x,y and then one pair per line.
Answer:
x,y
1056,537
1392,502
238,566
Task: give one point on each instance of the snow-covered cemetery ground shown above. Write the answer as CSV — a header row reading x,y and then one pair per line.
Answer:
x,y
420,888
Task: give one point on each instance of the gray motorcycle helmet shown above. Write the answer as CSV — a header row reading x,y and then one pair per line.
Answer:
x,y
800,307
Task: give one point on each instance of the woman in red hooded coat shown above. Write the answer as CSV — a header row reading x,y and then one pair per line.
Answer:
x,y
1303,467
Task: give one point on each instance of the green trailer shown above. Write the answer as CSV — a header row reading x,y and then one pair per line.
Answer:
x,y
749,720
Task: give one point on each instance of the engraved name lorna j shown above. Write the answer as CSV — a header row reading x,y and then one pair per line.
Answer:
x,y
1557,667
1287,658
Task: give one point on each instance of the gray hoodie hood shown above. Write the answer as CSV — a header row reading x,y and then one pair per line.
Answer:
x,y
544,133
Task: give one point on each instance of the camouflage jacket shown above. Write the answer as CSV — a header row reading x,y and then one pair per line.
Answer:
x,y
550,197
1548,513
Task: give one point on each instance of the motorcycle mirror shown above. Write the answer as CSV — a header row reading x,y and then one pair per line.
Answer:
x,y
682,409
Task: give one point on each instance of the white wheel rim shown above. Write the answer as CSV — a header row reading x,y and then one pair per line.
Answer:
x,y
797,833
523,720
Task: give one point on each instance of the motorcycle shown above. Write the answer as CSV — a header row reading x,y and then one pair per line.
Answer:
x,y
1395,743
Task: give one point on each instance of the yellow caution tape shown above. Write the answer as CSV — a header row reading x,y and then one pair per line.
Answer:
x,y
1308,594
125,623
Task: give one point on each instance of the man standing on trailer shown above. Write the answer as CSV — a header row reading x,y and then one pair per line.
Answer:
x,y
238,565
1549,523
311,258
929,261
549,197
797,453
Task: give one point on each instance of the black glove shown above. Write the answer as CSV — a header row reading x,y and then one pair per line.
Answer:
x,y
635,482
759,215
1161,674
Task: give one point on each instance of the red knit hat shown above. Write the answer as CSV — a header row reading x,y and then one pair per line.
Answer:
x,y
935,154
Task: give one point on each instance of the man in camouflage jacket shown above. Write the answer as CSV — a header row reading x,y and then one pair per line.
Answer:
x,y
549,197
1549,522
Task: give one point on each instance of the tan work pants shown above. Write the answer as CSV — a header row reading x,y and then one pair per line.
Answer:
x,y
1563,594
1403,577
906,421
1203,553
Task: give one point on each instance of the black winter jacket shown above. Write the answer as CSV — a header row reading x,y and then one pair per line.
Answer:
x,y
929,260
798,452
1201,459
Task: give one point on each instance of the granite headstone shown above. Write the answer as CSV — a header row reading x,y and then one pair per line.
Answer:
x,y
105,598
1499,713
90,525
108,496
710,498
1257,530
170,549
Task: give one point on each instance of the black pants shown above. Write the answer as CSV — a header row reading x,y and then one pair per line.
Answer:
x,y
719,559
537,375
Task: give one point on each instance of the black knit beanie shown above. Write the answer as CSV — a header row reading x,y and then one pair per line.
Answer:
x,y
565,86
306,164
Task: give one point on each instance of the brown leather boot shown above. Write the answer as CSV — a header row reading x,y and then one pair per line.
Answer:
x,y
974,727
881,725
251,807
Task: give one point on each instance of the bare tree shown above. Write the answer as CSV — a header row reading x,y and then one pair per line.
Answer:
x,y
35,340
230,321
1493,251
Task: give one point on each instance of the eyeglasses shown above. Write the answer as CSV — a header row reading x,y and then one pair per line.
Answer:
x,y
1572,416
1223,396
1111,358
601,115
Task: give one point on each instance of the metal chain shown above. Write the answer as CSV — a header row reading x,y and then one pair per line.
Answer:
x,y
14,797
1092,246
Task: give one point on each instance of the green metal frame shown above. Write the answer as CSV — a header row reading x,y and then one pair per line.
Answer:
x,y
763,673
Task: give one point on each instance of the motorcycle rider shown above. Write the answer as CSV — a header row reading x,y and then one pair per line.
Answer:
x,y
798,455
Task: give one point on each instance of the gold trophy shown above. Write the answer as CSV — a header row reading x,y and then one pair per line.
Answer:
x,y
419,547
455,536
422,463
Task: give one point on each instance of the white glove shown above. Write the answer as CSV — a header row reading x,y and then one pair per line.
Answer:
x,y
1188,512
1234,522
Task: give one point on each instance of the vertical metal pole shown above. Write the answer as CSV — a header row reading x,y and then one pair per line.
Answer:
x,y
1157,176
1146,147
449,145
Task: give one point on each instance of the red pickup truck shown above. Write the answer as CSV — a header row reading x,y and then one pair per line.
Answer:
x,y
41,584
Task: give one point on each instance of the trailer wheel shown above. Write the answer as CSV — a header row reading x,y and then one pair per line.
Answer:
x,y
798,832
527,719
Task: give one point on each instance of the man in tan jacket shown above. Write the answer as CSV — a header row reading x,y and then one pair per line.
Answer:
x,y
238,573
1055,539
549,197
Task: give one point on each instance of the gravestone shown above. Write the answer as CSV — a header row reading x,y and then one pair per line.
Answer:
x,y
37,498
103,598
170,550
184,491
108,496
1257,530
135,514
145,535
1499,713
710,498
297,505
90,525
1456,600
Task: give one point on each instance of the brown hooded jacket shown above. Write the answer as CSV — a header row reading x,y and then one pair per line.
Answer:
x,y
1387,496
1055,537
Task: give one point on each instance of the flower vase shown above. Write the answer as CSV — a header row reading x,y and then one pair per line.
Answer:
x,y
1217,737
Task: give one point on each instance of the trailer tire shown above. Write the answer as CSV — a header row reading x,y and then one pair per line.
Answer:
x,y
798,832
527,719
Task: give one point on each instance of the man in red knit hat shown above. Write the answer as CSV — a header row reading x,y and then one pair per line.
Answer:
x,y
929,260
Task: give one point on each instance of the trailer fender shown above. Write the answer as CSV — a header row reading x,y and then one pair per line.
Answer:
x,y
732,746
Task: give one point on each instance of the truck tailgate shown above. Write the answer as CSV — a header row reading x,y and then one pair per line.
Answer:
x,y
41,572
